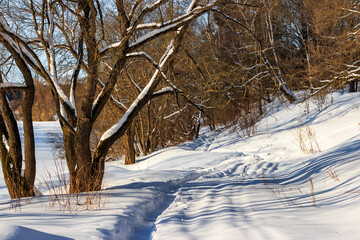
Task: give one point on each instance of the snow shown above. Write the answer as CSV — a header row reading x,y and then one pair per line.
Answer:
x,y
153,33
164,90
12,85
175,20
220,186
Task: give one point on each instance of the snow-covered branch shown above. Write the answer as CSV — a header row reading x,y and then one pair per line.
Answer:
x,y
13,86
161,28
145,92
147,9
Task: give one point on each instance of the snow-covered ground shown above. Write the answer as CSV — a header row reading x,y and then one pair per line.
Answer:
x,y
221,186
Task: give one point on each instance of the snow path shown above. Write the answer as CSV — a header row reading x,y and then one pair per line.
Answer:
x,y
173,183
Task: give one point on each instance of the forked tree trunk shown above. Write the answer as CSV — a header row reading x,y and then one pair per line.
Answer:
x,y
19,185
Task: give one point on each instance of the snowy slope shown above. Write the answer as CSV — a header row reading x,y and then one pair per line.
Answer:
x,y
220,186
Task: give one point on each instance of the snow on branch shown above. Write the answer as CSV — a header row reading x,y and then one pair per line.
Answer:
x,y
179,19
174,113
162,28
13,86
148,8
142,54
163,91
29,56
112,46
156,65
188,17
151,60
116,127
153,34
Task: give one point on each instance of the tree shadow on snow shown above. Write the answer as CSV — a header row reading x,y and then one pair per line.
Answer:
x,y
20,233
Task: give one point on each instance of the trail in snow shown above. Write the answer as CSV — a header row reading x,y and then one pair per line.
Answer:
x,y
217,194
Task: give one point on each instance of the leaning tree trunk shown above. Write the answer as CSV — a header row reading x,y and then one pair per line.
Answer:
x,y
137,105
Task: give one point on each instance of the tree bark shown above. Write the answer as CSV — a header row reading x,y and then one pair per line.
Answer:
x,y
353,86
129,143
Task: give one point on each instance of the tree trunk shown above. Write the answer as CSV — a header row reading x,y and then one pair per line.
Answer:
x,y
129,144
198,126
29,142
84,170
19,185
353,86
70,155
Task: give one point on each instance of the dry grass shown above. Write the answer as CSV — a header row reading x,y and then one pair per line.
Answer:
x,y
281,192
332,173
312,189
17,203
59,193
278,191
307,140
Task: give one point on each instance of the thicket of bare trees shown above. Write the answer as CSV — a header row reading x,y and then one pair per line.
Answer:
x,y
131,76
